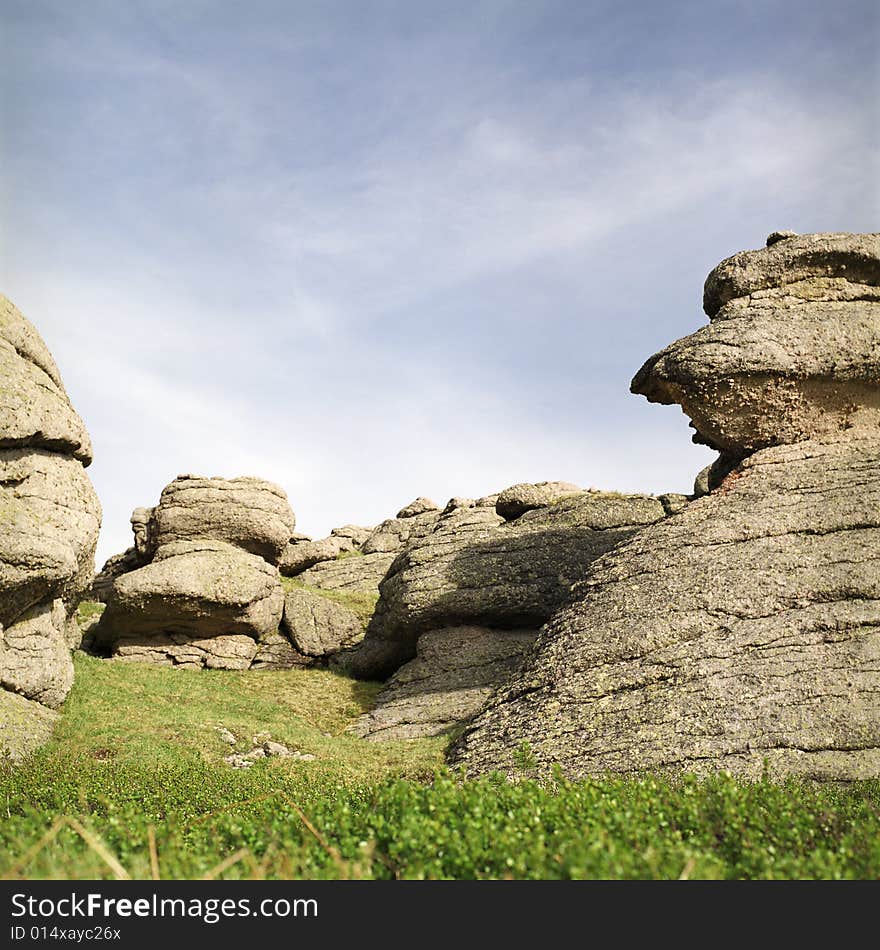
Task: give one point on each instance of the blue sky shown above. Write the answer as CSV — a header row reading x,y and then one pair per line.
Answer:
x,y
372,250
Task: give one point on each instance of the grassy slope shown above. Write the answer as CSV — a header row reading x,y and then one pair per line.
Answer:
x,y
137,758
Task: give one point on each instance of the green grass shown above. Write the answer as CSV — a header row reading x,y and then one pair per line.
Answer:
x,y
88,611
137,761
361,603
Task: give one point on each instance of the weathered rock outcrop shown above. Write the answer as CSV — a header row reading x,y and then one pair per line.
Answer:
x,y
791,351
317,626
210,592
49,522
475,568
454,673
359,575
744,631
412,522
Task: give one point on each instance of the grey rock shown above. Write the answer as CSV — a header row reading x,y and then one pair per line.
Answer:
x,y
35,657
353,532
115,566
518,499
35,412
276,652
221,652
302,555
49,522
776,236
454,673
195,589
247,512
792,351
672,502
420,506
361,574
394,534
701,482
477,569
25,725
745,630
317,626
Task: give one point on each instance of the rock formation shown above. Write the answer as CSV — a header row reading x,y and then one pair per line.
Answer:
x,y
477,568
743,632
461,605
209,592
50,520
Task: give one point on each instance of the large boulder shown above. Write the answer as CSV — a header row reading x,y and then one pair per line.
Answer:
x,y
250,513
414,521
742,633
523,497
792,350
744,630
454,673
317,626
475,568
361,574
25,725
207,591
49,522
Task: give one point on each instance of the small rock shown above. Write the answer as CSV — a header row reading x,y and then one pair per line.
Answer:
x,y
276,748
778,236
417,507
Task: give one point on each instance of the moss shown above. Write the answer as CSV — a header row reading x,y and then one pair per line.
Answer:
x,y
361,603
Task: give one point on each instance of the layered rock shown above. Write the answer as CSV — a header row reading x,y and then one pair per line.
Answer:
x,y
357,575
413,521
455,671
743,632
791,350
49,522
317,627
475,568
210,592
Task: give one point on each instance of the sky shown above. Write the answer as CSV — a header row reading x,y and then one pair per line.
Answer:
x,y
376,249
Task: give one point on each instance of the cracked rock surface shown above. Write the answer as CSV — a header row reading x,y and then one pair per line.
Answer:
x,y
743,632
475,568
49,522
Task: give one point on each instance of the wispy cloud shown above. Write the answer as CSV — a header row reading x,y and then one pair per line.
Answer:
x,y
371,257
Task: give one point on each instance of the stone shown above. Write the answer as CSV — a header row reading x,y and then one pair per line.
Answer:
x,y
776,236
25,725
195,589
357,575
394,534
420,506
247,512
792,351
701,482
233,652
35,411
207,592
352,532
49,523
454,673
115,566
742,633
673,502
302,555
276,652
518,499
477,569
35,657
317,626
